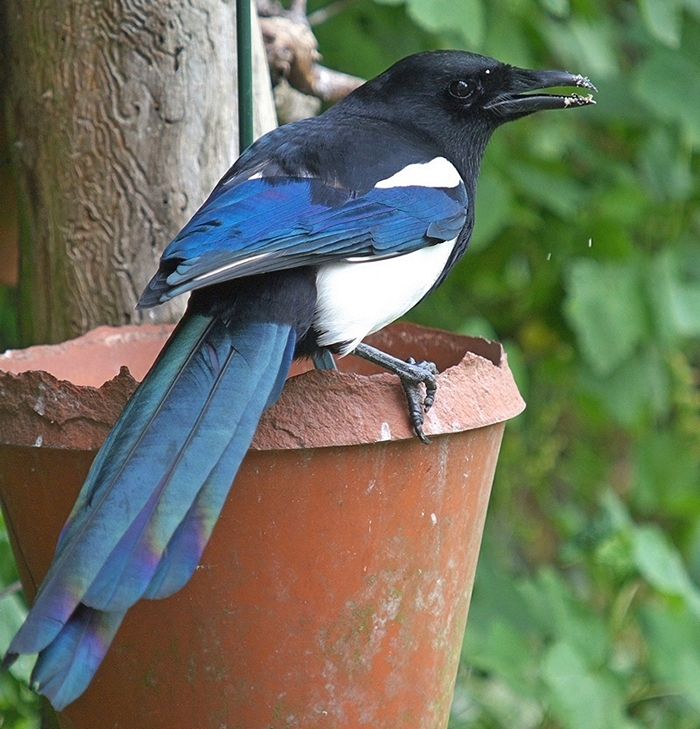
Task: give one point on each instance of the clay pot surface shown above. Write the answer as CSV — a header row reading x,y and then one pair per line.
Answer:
x,y
334,591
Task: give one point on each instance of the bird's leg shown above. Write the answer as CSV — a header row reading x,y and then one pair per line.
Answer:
x,y
411,374
323,360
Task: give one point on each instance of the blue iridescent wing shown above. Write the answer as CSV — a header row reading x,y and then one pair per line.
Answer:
x,y
263,224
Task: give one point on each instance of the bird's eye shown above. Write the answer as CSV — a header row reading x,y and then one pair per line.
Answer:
x,y
460,89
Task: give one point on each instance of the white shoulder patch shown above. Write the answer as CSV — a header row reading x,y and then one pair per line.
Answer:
x,y
436,173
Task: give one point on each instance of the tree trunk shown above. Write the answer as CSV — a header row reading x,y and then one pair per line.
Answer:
x,y
122,115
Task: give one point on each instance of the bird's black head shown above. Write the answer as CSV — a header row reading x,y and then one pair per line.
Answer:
x,y
456,99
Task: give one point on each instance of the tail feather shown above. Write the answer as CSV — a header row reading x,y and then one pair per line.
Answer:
x,y
184,550
206,392
84,544
236,396
65,668
135,420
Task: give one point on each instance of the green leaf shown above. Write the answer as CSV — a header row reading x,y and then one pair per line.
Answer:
x,y
605,308
8,568
581,698
638,389
496,698
673,637
615,511
465,17
12,615
19,707
661,565
693,6
494,203
495,594
558,8
667,472
12,609
686,309
517,365
366,38
585,44
663,20
669,83
506,652
678,287
625,202
557,192
667,168
573,623
505,41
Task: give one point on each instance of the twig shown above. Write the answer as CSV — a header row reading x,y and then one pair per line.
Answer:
x,y
292,52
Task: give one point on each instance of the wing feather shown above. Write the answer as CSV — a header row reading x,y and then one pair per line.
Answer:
x,y
265,224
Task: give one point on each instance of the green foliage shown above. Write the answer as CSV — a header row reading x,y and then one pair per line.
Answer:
x,y
19,707
585,262
608,638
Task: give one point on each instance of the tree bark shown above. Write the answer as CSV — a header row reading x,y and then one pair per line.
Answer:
x,y
122,115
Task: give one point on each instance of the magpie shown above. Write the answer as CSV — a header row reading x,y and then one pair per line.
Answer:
x,y
322,232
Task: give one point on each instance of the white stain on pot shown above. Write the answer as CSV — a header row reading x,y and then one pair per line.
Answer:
x,y
40,404
353,643
434,601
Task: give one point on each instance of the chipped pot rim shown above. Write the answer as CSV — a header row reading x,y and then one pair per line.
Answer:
x,y
49,394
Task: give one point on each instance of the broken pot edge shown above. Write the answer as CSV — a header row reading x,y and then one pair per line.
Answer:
x,y
69,395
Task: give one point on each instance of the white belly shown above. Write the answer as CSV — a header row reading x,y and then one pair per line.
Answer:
x,y
358,298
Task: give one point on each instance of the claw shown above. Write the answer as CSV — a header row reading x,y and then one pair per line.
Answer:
x,y
419,432
411,374
430,382
430,392
415,408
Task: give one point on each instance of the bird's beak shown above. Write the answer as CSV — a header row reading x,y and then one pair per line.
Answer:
x,y
520,102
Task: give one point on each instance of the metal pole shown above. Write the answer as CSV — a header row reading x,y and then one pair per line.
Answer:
x,y
245,73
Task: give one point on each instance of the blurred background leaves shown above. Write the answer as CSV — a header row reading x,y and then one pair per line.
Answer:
x,y
585,263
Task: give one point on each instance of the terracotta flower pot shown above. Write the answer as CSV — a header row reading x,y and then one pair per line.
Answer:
x,y
334,591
